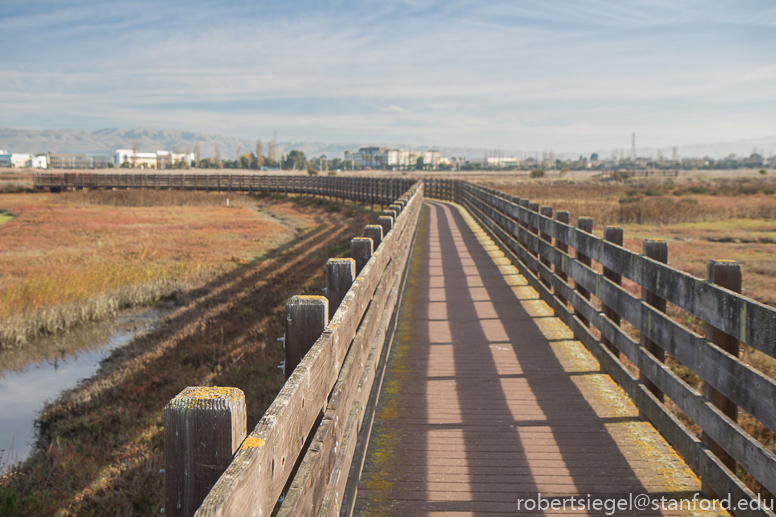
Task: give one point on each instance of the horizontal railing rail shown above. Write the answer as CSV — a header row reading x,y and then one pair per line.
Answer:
x,y
369,190
538,245
312,438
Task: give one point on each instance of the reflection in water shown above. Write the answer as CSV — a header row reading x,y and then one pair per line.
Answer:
x,y
24,388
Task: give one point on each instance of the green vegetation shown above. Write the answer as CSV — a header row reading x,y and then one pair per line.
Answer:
x,y
5,217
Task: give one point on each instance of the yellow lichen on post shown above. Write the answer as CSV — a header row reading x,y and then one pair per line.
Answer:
x,y
252,443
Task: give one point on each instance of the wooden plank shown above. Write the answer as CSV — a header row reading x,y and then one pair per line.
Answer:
x,y
686,443
728,275
263,464
656,250
734,379
614,235
750,321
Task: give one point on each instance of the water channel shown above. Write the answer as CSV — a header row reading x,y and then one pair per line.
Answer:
x,y
27,383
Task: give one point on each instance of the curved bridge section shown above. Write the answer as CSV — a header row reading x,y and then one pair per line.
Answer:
x,y
513,384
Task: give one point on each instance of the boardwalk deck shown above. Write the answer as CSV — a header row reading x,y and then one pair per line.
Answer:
x,y
488,398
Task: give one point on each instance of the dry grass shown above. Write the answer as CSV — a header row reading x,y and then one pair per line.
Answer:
x,y
81,256
100,446
651,202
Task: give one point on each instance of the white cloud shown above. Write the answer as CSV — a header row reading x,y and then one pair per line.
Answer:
x,y
558,74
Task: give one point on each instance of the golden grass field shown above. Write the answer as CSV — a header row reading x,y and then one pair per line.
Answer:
x,y
81,256
100,445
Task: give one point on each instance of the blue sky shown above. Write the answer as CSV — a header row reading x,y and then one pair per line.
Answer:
x,y
531,75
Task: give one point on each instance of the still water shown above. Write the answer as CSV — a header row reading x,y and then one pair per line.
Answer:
x,y
25,388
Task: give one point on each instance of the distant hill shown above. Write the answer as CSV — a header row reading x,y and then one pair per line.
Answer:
x,y
106,141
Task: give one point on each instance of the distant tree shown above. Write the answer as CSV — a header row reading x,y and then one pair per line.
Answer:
x,y
272,153
259,154
420,164
295,160
218,155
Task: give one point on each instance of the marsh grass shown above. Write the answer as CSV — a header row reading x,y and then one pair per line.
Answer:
x,y
100,445
80,257
650,202
153,197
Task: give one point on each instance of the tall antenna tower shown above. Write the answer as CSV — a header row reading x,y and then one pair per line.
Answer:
x,y
633,147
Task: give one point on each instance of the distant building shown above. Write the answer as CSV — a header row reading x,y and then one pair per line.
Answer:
x,y
395,159
501,161
19,160
157,160
76,161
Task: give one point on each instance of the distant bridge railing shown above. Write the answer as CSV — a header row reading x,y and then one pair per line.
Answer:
x,y
369,190
538,245
310,443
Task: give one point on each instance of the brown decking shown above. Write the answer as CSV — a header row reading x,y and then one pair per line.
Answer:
x,y
488,398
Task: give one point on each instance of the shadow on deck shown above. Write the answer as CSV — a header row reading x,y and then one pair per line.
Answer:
x,y
489,399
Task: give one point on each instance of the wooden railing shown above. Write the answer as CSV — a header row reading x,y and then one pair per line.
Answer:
x,y
309,445
369,190
538,246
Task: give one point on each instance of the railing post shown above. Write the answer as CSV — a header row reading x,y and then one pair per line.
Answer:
x,y
546,211
306,319
561,217
374,232
656,250
613,234
340,274
203,427
533,207
361,249
727,274
386,221
584,224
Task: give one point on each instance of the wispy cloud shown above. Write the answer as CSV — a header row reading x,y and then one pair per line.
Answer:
x,y
533,74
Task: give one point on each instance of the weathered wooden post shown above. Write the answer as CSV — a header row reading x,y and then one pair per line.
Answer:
x,y
546,211
584,224
562,217
386,221
389,213
374,232
306,319
361,249
203,427
656,250
727,274
340,274
613,234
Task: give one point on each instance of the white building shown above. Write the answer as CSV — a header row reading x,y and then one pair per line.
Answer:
x,y
396,159
20,160
503,161
157,160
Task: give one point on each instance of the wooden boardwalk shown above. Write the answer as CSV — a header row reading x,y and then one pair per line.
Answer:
x,y
488,398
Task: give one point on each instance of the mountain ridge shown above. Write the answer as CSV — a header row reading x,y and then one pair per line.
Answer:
x,y
107,140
